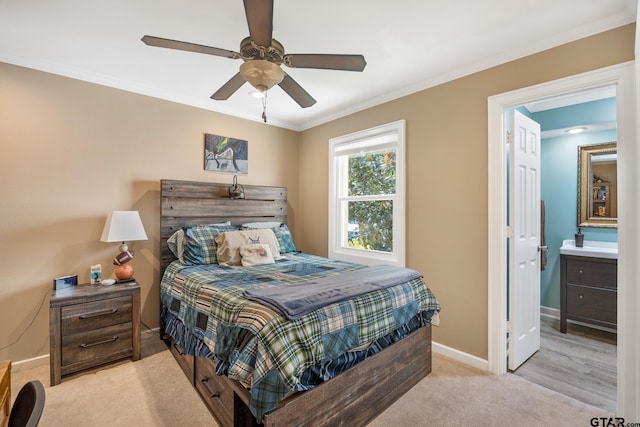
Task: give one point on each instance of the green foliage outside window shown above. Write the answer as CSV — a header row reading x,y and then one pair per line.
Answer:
x,y
372,173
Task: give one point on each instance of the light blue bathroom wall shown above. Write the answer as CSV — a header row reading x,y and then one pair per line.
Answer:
x,y
559,187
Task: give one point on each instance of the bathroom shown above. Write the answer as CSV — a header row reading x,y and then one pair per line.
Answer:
x,y
560,182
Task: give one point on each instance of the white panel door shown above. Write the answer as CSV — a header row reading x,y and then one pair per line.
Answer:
x,y
524,244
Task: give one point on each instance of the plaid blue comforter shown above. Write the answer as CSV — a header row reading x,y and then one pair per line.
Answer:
x,y
205,311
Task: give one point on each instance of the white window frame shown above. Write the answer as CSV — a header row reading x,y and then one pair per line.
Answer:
x,y
391,135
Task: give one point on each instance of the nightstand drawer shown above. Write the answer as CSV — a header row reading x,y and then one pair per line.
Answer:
x,y
101,343
94,315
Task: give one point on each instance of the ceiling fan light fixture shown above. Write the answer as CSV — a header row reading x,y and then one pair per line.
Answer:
x,y
261,74
257,94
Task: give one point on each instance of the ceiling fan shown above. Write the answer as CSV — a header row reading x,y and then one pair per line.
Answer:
x,y
263,55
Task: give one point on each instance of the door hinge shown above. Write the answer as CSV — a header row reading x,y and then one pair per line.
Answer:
x,y
510,231
508,137
509,327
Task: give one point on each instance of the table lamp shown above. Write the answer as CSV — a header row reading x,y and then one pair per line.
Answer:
x,y
123,226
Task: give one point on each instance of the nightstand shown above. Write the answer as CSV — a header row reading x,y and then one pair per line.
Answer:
x,y
90,325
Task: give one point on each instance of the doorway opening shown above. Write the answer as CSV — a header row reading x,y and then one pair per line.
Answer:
x,y
620,77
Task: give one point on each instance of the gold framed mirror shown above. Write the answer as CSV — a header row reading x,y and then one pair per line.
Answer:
x,y
598,185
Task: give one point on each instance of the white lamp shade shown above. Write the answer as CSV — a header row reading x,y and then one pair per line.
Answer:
x,y
122,226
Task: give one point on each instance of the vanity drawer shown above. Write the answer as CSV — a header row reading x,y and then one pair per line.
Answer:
x,y
588,304
95,315
213,391
592,273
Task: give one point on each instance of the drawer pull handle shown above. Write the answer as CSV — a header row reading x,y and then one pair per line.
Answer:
x,y
180,351
107,341
581,296
204,382
98,313
580,271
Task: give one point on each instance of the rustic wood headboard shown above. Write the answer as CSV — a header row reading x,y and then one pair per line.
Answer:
x,y
185,203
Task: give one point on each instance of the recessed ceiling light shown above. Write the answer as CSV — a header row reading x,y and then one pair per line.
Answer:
x,y
576,130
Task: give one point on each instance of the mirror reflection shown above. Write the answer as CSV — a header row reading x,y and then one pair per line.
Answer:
x,y
597,191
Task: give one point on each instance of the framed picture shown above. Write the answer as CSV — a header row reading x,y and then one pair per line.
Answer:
x,y
226,154
65,282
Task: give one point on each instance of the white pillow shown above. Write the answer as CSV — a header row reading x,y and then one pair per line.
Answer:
x,y
230,242
256,254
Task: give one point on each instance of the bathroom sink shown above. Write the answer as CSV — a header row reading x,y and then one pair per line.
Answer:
x,y
590,249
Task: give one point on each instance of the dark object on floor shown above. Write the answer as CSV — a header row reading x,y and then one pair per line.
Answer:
x,y
28,406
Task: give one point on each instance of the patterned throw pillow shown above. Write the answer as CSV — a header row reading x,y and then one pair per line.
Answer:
x,y
285,239
176,244
230,242
256,254
200,246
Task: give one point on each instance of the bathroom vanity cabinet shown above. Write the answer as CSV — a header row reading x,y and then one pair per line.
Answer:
x,y
588,291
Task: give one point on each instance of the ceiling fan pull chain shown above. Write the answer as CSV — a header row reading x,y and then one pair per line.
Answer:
x,y
264,107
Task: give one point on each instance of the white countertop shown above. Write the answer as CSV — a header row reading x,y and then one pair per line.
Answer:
x,y
591,249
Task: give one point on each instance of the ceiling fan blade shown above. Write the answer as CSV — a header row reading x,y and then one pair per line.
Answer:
x,y
295,91
326,61
189,47
229,88
260,21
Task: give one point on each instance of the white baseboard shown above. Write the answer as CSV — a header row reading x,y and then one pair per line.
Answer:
x,y
549,312
554,313
460,356
35,362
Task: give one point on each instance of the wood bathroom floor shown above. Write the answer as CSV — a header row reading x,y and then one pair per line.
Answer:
x,y
580,364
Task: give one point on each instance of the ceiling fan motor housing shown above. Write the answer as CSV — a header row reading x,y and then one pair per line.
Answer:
x,y
261,74
273,53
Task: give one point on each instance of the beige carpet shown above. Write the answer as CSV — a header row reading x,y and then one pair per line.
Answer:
x,y
150,392
155,392
458,395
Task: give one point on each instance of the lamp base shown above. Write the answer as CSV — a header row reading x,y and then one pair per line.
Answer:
x,y
124,271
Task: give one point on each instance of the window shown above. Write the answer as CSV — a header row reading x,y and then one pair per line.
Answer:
x,y
366,195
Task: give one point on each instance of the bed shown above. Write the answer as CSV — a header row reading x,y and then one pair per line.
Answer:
x,y
250,338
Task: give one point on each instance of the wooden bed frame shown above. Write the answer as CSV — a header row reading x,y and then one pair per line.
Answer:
x,y
353,398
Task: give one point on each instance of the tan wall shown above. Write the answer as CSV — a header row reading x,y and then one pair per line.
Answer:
x,y
447,176
70,152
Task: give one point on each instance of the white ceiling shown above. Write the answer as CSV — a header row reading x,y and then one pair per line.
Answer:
x,y
409,45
